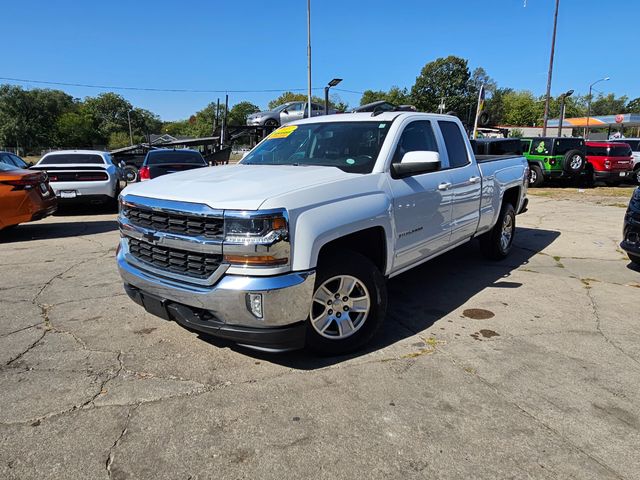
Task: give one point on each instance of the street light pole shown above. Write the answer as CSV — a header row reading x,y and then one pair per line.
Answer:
x,y
548,96
563,97
309,58
332,83
589,103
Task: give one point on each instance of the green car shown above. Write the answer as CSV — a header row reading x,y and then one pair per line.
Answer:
x,y
554,157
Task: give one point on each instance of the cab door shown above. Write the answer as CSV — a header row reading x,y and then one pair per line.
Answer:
x,y
422,203
466,183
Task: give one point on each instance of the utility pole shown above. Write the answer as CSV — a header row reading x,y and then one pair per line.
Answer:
x,y
130,132
553,48
605,79
309,58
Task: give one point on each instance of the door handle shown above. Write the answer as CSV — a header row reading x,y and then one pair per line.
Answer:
x,y
444,186
474,179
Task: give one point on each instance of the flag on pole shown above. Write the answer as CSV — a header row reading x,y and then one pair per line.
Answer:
x,y
478,111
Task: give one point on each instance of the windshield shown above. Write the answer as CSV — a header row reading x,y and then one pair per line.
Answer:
x,y
158,157
281,107
349,146
67,158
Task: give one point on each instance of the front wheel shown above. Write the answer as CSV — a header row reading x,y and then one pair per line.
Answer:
x,y
496,244
349,304
271,123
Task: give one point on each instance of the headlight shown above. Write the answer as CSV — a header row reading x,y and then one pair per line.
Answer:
x,y
256,238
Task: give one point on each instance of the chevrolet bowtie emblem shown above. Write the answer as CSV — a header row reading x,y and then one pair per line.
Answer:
x,y
151,237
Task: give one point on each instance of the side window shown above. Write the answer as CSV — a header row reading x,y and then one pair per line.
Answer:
x,y
317,107
456,148
4,158
417,136
295,107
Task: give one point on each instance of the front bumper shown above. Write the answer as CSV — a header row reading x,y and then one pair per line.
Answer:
x,y
286,299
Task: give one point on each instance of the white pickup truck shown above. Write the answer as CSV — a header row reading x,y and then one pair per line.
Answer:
x,y
292,246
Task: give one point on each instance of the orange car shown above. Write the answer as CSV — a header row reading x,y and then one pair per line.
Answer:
x,y
25,195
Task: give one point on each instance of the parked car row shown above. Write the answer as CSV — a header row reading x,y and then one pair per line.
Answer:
x,y
565,158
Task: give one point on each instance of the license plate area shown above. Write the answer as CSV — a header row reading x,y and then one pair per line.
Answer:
x,y
67,194
154,306
623,174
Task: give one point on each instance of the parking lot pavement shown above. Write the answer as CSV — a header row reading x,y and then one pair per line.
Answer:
x,y
528,367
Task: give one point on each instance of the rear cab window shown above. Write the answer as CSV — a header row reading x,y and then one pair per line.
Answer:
x,y
454,141
563,145
71,158
174,157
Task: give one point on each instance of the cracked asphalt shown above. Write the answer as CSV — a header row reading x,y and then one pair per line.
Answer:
x,y
526,368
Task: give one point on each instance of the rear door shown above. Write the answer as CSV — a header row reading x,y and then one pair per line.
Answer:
x,y
422,203
466,184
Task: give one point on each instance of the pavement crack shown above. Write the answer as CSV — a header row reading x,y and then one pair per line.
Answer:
x,y
596,313
104,383
21,354
20,330
530,415
111,456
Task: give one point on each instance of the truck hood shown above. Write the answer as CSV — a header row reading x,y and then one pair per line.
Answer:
x,y
235,187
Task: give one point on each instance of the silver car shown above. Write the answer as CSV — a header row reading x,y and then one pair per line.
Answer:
x,y
285,113
82,174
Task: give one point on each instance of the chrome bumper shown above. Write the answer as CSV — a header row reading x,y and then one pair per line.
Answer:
x,y
286,299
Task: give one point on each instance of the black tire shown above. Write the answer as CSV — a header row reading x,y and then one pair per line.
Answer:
x,y
484,119
347,263
491,243
271,123
634,258
574,162
636,174
130,174
536,177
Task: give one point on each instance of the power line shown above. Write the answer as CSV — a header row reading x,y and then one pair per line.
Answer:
x,y
165,90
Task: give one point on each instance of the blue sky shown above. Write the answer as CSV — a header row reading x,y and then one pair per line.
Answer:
x,y
257,44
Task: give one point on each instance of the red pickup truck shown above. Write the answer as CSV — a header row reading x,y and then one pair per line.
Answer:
x,y
612,163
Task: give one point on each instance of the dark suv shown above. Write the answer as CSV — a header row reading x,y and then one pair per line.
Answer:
x,y
554,157
163,161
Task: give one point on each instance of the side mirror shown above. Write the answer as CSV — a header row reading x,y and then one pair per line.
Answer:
x,y
416,163
285,111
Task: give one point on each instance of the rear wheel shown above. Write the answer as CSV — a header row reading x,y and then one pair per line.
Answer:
x,y
496,244
536,178
349,304
130,174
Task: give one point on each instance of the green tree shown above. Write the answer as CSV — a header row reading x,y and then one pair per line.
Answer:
x,y
109,114
28,117
75,130
521,108
633,106
608,104
118,140
444,78
240,111
395,95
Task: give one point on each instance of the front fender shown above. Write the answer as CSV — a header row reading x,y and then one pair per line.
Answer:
x,y
320,225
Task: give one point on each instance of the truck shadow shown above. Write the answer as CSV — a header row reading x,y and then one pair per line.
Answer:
x,y
49,230
425,294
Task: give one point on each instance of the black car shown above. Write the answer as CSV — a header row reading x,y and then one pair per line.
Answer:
x,y
631,229
164,161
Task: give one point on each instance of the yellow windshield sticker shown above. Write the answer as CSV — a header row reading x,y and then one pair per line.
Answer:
x,y
283,132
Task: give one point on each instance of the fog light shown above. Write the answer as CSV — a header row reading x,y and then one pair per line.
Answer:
x,y
254,304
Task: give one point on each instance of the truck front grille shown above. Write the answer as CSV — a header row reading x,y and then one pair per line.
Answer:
x,y
192,225
192,264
